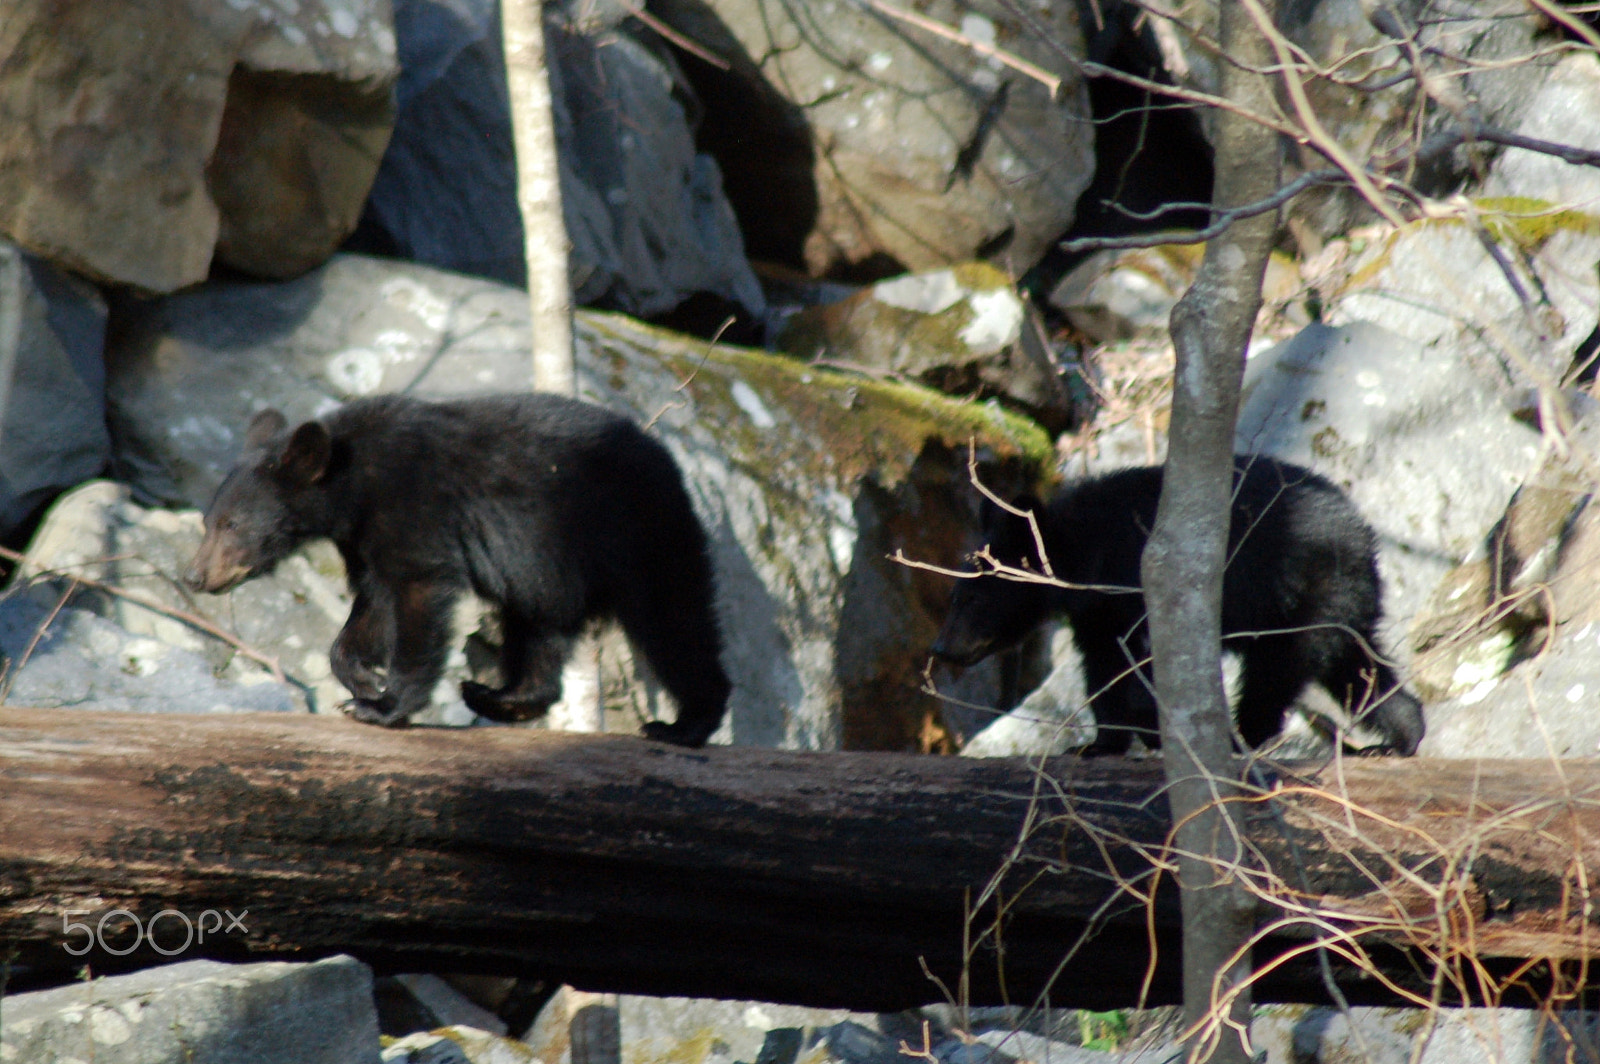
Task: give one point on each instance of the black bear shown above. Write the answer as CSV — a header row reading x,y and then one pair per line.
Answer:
x,y
555,510
1300,600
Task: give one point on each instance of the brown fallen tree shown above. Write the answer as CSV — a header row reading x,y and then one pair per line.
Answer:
x,y
877,881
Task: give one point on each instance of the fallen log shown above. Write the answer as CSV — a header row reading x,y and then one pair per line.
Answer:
x,y
877,881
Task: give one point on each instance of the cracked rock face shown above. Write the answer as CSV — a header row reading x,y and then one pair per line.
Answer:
x,y
144,139
872,139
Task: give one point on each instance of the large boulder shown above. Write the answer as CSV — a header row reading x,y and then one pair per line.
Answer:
x,y
142,140
1417,437
1486,63
808,482
271,1012
964,331
868,141
645,212
1505,647
52,385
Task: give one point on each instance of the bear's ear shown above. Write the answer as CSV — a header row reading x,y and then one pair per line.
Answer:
x,y
305,456
265,425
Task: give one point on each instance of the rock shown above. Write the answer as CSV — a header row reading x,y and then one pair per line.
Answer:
x,y
99,533
72,658
724,1032
1497,60
1052,719
448,1005
1298,1034
264,1013
1433,283
646,214
807,481
1119,295
52,385
964,331
880,142
1555,110
144,138
1505,647
458,1044
1116,295
854,1043
695,1029
1422,443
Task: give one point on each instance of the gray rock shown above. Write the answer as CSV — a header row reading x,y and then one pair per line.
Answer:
x,y
1499,55
1301,1035
143,138
964,331
1507,645
854,1043
704,1029
1012,1044
448,1005
1433,281
646,214
1427,450
1559,109
1052,719
97,533
52,384
266,1013
1548,707
1116,295
887,141
808,482
457,1044
77,659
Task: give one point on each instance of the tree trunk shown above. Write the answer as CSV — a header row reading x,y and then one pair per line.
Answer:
x,y
539,195
544,227
1183,563
823,879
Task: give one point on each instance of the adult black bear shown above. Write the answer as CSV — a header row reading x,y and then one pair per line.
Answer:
x,y
1300,600
555,510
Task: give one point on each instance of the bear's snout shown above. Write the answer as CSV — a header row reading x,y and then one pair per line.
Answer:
x,y
215,568
959,647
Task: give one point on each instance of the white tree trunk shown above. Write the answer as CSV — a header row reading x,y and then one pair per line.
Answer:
x,y
549,296
539,195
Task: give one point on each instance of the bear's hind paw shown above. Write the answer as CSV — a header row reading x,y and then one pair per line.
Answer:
x,y
678,734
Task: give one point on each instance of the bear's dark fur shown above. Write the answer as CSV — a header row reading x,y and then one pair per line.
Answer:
x,y
555,510
1300,600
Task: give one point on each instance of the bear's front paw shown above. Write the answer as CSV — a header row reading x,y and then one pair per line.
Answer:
x,y
362,681
676,734
375,711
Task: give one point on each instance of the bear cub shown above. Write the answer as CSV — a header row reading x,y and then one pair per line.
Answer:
x,y
1300,600
555,510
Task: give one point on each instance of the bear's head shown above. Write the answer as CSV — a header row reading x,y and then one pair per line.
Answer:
x,y
273,500
1001,597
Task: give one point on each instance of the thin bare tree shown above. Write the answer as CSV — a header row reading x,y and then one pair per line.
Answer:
x,y
539,196
1183,563
549,289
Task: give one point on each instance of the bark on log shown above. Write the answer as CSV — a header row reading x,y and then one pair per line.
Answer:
x,y
826,879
